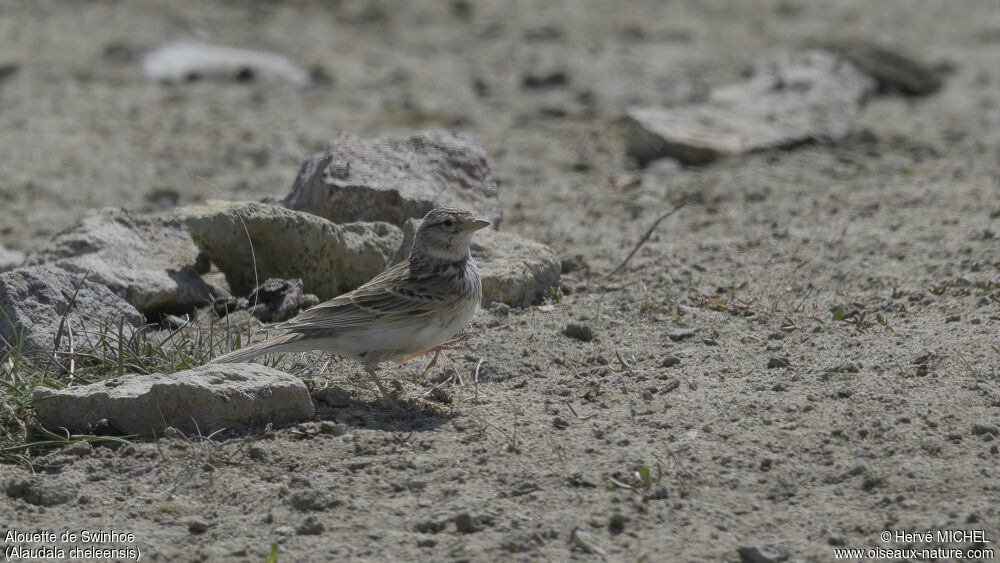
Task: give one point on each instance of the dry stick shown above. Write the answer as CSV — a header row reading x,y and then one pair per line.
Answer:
x,y
476,380
644,238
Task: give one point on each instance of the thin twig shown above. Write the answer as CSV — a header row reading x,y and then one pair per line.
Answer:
x,y
645,237
476,380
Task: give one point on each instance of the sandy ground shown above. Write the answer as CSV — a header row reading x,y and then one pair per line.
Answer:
x,y
885,423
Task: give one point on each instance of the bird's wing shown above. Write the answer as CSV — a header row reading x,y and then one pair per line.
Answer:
x,y
386,298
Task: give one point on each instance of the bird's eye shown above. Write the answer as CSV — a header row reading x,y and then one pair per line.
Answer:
x,y
448,223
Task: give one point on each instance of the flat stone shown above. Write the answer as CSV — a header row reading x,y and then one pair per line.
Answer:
x,y
149,261
207,398
811,96
183,61
36,299
395,178
514,270
329,258
769,553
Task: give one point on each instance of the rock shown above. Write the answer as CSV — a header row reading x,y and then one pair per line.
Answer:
x,y
894,71
395,178
231,396
988,431
181,61
148,261
41,491
770,553
579,332
778,363
586,541
670,361
313,501
283,298
680,331
466,524
311,526
197,524
329,258
515,271
334,396
10,259
812,96
35,300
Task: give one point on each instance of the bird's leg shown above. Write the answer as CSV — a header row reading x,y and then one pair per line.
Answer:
x,y
386,399
433,363
449,345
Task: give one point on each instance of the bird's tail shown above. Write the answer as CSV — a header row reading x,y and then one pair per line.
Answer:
x,y
284,343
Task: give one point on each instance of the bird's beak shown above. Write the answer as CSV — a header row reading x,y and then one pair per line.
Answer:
x,y
476,225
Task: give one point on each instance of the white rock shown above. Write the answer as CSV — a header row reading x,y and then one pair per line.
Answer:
x,y
179,61
208,398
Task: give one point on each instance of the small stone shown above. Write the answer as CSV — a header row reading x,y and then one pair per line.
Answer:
x,y
466,524
778,363
894,71
560,423
579,332
197,524
680,331
988,431
312,501
833,538
311,526
334,396
585,541
769,553
670,361
81,449
427,541
616,524
647,396
332,428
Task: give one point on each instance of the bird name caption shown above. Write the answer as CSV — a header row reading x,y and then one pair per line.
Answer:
x,y
19,546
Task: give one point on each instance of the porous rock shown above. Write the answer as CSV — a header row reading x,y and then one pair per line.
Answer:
x,y
811,96
205,399
42,491
150,261
395,178
513,269
35,300
329,258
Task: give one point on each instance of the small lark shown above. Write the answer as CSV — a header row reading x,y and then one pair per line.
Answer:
x,y
408,310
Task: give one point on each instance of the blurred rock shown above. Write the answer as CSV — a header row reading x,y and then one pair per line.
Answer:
x,y
284,299
329,258
894,71
770,553
35,300
395,178
10,259
181,61
231,396
148,261
812,96
515,271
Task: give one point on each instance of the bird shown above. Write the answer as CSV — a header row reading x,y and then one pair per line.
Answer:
x,y
408,310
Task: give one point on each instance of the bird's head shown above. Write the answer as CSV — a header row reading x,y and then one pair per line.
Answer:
x,y
446,232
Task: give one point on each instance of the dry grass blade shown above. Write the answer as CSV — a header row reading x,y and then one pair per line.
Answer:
x,y
644,238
